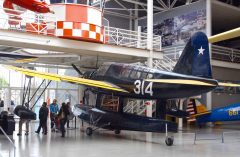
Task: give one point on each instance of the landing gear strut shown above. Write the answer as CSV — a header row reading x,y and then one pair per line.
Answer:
x,y
169,139
89,131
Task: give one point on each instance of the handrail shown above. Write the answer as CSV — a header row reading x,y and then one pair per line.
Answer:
x,y
218,53
9,139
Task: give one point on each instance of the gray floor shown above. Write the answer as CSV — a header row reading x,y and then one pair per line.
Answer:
x,y
128,144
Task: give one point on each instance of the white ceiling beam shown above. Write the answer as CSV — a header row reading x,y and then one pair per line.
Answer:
x,y
143,4
162,4
173,3
98,3
118,14
124,9
188,2
122,5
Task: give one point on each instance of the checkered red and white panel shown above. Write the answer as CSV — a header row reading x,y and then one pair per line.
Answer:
x,y
79,30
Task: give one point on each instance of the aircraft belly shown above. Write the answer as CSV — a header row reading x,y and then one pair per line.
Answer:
x,y
136,123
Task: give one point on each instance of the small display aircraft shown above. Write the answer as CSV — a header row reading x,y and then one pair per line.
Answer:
x,y
15,8
202,115
33,5
191,76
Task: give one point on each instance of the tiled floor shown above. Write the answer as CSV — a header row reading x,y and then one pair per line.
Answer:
x,y
127,144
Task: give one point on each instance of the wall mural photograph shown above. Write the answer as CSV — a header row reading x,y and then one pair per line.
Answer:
x,y
177,30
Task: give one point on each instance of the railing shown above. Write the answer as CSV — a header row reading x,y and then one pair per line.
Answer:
x,y
218,53
11,142
45,24
225,54
27,21
128,38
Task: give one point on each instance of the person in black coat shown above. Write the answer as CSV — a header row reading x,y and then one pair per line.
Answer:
x,y
63,114
43,115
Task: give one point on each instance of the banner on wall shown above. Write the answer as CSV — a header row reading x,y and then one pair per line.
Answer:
x,y
177,30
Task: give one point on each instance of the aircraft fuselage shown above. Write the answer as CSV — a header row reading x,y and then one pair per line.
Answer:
x,y
133,79
228,113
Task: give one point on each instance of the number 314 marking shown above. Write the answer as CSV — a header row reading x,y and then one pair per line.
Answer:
x,y
140,87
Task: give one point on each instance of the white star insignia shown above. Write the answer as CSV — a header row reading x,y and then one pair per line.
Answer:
x,y
201,50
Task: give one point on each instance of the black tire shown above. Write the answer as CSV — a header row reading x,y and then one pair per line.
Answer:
x,y
89,131
169,141
117,132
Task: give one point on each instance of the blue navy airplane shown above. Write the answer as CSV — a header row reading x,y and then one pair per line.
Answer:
x,y
191,76
202,115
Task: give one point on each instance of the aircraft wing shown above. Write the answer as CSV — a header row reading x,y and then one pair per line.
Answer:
x,y
69,79
201,113
181,81
18,58
192,82
224,84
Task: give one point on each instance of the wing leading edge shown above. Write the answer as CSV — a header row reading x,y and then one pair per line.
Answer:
x,y
69,79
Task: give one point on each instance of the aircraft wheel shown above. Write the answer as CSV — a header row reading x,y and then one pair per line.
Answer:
x,y
169,141
117,132
89,131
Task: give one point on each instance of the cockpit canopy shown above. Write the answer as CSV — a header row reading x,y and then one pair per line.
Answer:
x,y
121,70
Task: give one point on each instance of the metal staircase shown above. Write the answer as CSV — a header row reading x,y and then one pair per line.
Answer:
x,y
166,64
137,107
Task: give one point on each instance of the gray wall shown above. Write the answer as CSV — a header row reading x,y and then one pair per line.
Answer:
x,y
223,99
117,22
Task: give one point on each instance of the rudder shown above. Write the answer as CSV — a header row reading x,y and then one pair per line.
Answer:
x,y
195,58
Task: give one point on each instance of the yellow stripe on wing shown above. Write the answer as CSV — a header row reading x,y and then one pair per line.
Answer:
x,y
25,60
181,81
199,114
228,84
69,79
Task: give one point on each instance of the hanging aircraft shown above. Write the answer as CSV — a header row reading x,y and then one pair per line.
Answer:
x,y
14,9
33,5
221,114
191,76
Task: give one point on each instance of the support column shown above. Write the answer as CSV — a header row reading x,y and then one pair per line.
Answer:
x,y
161,109
121,104
139,37
148,108
150,31
208,96
180,120
150,44
136,19
7,99
98,101
130,21
81,90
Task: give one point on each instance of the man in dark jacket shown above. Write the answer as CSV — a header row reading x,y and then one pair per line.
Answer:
x,y
43,115
63,114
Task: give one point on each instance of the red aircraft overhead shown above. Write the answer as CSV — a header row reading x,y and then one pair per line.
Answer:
x,y
33,5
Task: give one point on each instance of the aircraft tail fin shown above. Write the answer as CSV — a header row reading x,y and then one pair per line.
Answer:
x,y
195,110
195,58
